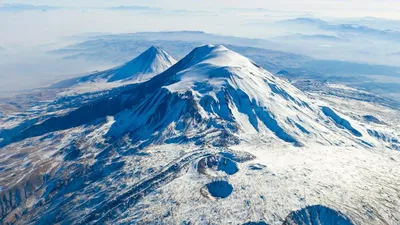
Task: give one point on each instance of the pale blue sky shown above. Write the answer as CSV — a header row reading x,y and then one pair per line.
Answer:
x,y
339,8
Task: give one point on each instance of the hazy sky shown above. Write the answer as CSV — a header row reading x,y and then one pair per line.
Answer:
x,y
340,8
28,28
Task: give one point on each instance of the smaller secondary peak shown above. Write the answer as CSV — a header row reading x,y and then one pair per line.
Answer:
x,y
153,52
144,67
154,49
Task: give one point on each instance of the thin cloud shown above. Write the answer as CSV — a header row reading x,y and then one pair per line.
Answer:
x,y
24,7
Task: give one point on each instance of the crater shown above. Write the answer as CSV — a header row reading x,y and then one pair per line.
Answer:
x,y
220,189
317,215
212,164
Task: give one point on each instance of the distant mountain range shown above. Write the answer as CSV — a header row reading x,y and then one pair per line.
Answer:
x,y
344,28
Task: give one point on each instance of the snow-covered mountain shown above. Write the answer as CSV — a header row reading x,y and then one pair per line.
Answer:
x,y
213,96
142,68
241,141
